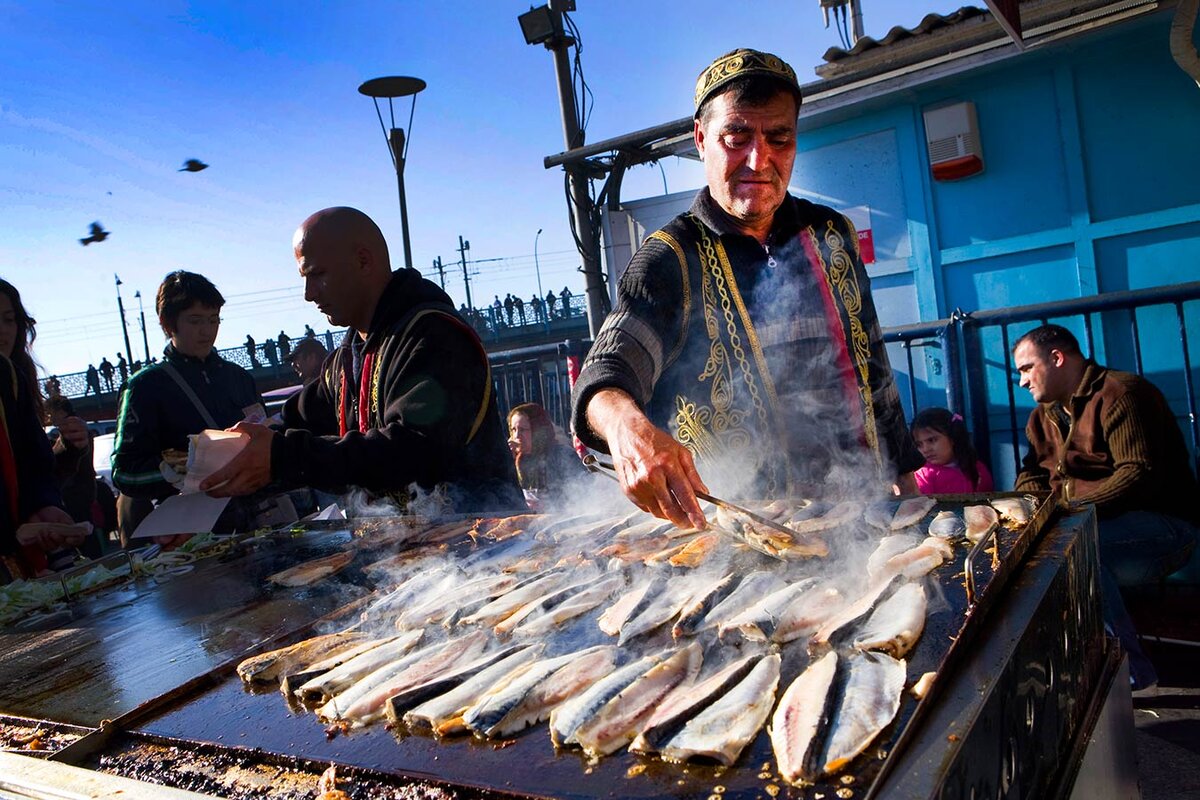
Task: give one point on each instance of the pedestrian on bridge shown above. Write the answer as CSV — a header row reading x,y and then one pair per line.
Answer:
x,y
106,369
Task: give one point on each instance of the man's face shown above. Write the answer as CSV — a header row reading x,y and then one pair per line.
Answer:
x,y
196,330
1044,376
308,366
748,153
330,280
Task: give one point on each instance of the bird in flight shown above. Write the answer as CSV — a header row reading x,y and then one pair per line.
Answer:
x,y
98,235
193,165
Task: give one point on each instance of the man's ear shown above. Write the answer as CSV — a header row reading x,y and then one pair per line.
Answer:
x,y
1057,358
698,138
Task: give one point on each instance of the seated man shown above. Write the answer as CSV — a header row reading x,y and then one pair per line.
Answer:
x,y
407,398
1109,438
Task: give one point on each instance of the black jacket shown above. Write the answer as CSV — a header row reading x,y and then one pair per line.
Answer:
x,y
432,416
26,464
156,415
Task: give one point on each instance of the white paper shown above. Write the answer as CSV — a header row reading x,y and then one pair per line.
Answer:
x,y
208,451
182,513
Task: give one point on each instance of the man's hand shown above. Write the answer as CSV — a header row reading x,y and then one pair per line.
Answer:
x,y
656,472
249,471
51,536
74,431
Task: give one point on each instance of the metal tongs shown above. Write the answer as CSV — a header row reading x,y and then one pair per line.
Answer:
x,y
608,470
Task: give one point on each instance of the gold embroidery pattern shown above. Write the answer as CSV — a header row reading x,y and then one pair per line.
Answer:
x,y
843,283
670,241
715,268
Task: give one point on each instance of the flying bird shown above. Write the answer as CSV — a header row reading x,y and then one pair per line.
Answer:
x,y
98,235
193,165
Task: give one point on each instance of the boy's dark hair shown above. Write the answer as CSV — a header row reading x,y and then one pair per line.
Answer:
x,y
952,427
1050,337
178,292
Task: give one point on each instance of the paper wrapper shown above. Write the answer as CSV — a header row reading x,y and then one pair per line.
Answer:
x,y
208,451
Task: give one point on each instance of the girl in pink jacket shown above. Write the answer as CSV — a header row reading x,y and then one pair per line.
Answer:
x,y
951,466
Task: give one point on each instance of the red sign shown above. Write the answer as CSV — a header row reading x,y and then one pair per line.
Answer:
x,y
866,245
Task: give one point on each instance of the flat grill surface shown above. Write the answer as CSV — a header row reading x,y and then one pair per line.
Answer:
x,y
141,640
527,764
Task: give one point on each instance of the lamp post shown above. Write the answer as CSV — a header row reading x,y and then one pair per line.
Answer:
x,y
538,270
390,88
142,316
124,329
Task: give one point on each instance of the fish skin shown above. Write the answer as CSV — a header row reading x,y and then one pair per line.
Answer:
x,y
615,725
368,704
530,696
566,718
748,591
919,561
574,606
896,623
1014,511
511,601
266,667
443,604
397,704
853,612
312,571
693,613
686,701
912,511
398,599
659,611
347,696
434,714
868,704
948,525
758,622
799,720
505,627
696,551
832,516
889,546
343,676
808,613
303,674
980,521
879,515
628,605
724,729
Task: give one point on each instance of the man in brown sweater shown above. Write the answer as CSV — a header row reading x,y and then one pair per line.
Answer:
x,y
1109,438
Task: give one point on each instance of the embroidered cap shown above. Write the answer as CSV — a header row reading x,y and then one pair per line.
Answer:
x,y
740,63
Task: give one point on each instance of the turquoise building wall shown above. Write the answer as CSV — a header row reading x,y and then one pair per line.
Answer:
x,y
1091,185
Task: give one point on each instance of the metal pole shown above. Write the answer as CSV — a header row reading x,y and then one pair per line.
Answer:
x,y
463,247
142,315
581,202
124,329
538,270
396,140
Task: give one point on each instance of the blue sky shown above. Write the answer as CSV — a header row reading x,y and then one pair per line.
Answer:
x,y
100,103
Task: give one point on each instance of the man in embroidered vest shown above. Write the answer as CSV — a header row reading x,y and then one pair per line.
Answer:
x,y
1110,439
407,398
744,340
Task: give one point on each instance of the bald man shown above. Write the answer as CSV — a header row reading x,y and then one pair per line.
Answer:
x,y
406,400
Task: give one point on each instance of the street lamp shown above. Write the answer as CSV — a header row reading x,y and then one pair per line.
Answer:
x,y
538,269
391,88
142,315
121,309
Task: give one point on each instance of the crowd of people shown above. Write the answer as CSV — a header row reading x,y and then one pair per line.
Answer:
x,y
744,347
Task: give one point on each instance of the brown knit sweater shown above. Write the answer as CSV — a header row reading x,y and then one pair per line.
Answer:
x,y
1119,448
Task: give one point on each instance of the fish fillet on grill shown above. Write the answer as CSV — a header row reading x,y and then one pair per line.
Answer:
x,y
724,729
801,718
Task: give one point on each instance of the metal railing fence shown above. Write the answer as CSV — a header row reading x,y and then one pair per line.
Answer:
x,y
966,361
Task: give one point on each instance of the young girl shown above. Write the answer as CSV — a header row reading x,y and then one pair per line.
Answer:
x,y
951,466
